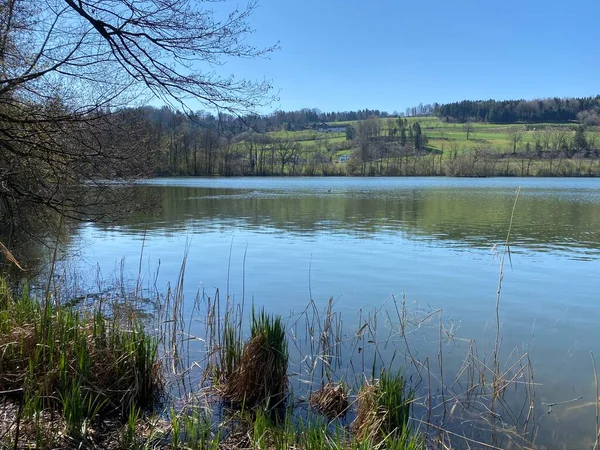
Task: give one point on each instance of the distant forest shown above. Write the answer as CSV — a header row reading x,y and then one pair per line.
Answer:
x,y
584,110
305,118
556,110
228,125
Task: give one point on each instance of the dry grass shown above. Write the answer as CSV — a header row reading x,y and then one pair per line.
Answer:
x,y
368,421
72,365
256,380
331,400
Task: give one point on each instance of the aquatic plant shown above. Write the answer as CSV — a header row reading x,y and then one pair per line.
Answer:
x,y
383,408
81,364
261,378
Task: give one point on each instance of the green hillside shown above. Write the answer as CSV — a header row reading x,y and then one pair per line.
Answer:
x,y
445,136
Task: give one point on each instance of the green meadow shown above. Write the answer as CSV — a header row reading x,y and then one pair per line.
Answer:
x,y
445,136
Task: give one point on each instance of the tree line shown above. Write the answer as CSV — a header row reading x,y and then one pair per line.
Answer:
x,y
278,120
585,110
197,144
555,110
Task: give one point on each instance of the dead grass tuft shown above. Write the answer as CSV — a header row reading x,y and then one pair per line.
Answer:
x,y
369,419
331,400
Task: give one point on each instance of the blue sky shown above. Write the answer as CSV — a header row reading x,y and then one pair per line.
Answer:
x,y
340,55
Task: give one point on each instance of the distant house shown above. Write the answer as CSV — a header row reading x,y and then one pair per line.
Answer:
x,y
336,129
325,128
344,158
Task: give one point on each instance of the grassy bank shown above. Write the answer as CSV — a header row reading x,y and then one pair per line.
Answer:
x,y
95,378
66,375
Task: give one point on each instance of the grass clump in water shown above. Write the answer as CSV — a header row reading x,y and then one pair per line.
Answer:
x,y
261,377
331,400
383,409
81,364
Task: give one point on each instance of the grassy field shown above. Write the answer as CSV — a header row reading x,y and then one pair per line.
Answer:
x,y
442,136
488,149
445,136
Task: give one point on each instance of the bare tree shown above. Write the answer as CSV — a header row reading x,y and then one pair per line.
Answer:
x,y
515,136
69,67
367,131
287,151
560,138
592,140
468,127
113,51
546,138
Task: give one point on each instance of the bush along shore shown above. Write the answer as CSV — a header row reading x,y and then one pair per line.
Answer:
x,y
70,376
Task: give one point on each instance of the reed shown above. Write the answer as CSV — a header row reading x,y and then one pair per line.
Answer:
x,y
261,378
383,408
80,364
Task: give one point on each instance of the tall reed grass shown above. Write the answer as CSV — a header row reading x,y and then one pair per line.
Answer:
x,y
82,365
261,376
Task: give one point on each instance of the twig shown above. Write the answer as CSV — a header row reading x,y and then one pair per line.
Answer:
x,y
500,277
9,256
563,402
138,285
597,403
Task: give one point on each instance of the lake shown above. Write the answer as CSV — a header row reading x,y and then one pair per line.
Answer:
x,y
437,243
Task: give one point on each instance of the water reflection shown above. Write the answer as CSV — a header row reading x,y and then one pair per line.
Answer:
x,y
555,220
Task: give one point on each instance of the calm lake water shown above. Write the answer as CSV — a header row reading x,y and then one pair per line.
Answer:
x,y
362,241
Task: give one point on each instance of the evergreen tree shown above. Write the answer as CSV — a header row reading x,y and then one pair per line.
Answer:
x,y
579,141
417,136
350,133
403,136
509,111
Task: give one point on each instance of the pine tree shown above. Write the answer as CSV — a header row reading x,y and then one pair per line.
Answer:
x,y
417,136
403,136
350,133
579,141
